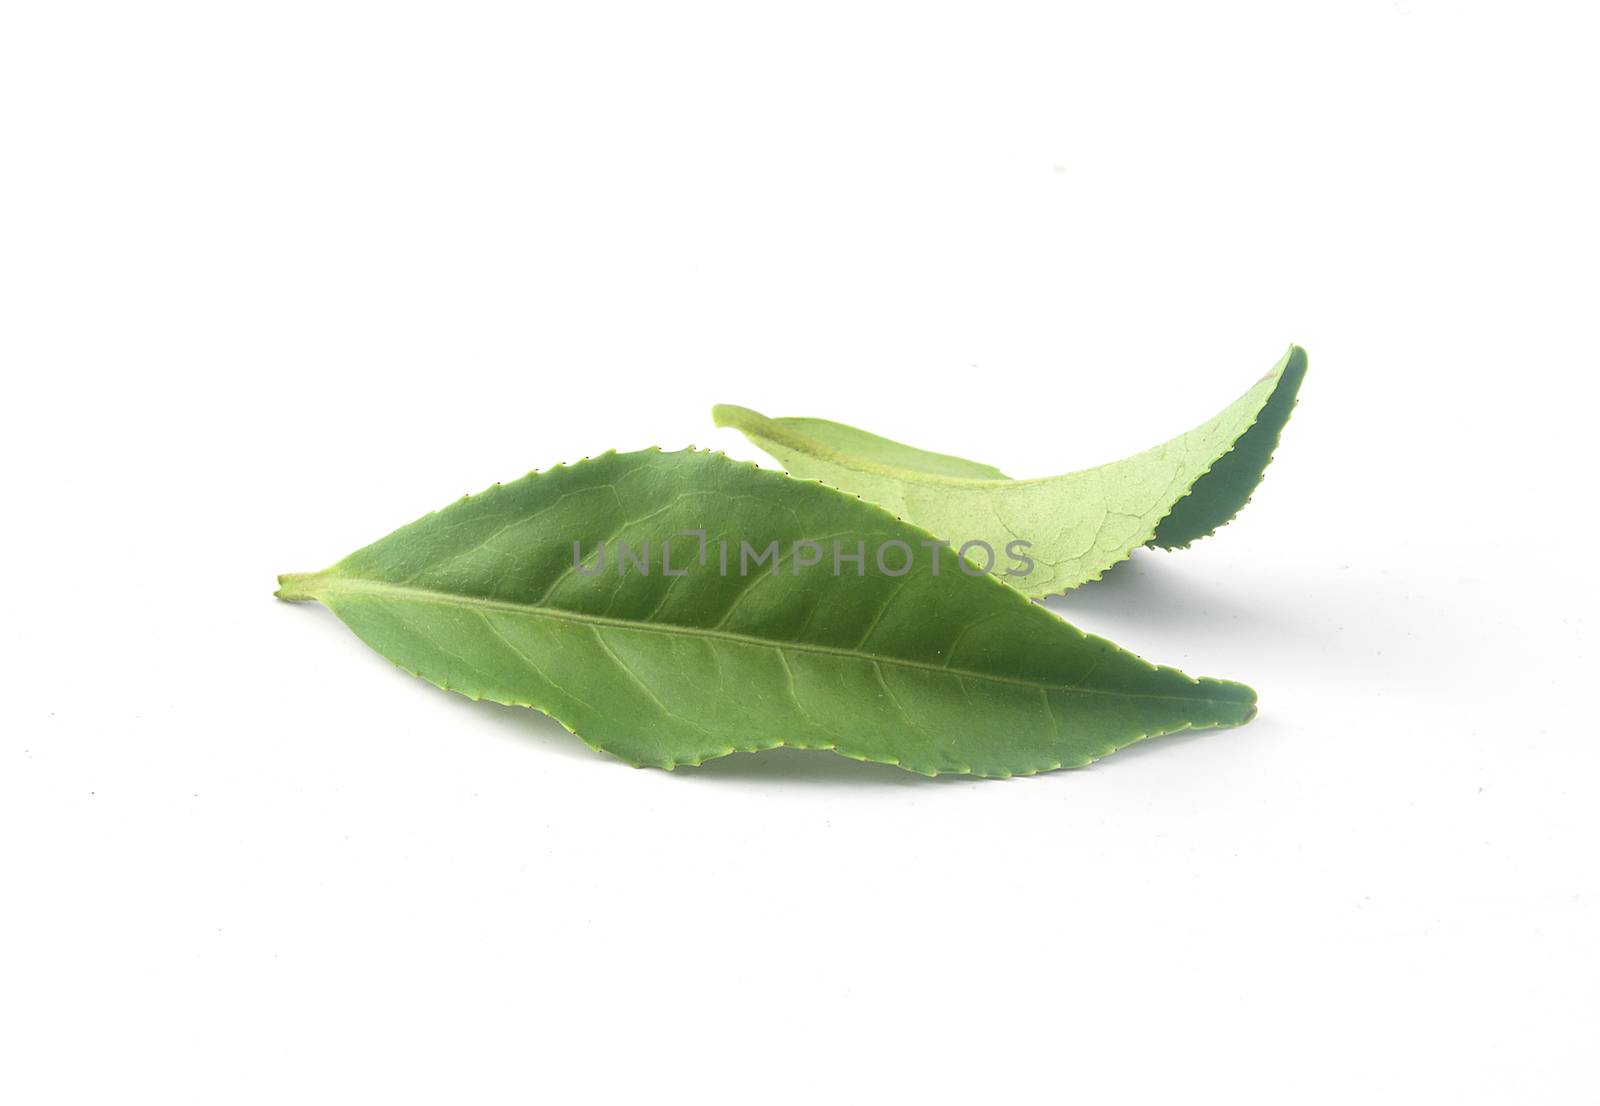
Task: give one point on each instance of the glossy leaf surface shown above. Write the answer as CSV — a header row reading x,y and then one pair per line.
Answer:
x,y
934,671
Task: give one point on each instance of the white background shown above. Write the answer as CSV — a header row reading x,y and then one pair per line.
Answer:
x,y
275,279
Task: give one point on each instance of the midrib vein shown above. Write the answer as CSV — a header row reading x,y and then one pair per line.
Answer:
x,y
348,584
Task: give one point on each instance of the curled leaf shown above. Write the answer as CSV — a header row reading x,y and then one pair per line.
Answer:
x,y
1071,527
689,653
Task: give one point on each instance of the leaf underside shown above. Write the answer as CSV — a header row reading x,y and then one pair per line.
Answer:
x,y
1077,525
936,673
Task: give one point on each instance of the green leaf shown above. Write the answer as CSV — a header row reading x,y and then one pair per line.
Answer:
x,y
1077,525
935,672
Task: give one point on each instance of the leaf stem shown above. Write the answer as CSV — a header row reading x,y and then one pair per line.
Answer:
x,y
298,587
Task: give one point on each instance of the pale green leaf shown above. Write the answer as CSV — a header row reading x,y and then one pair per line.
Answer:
x,y
1076,525
945,672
